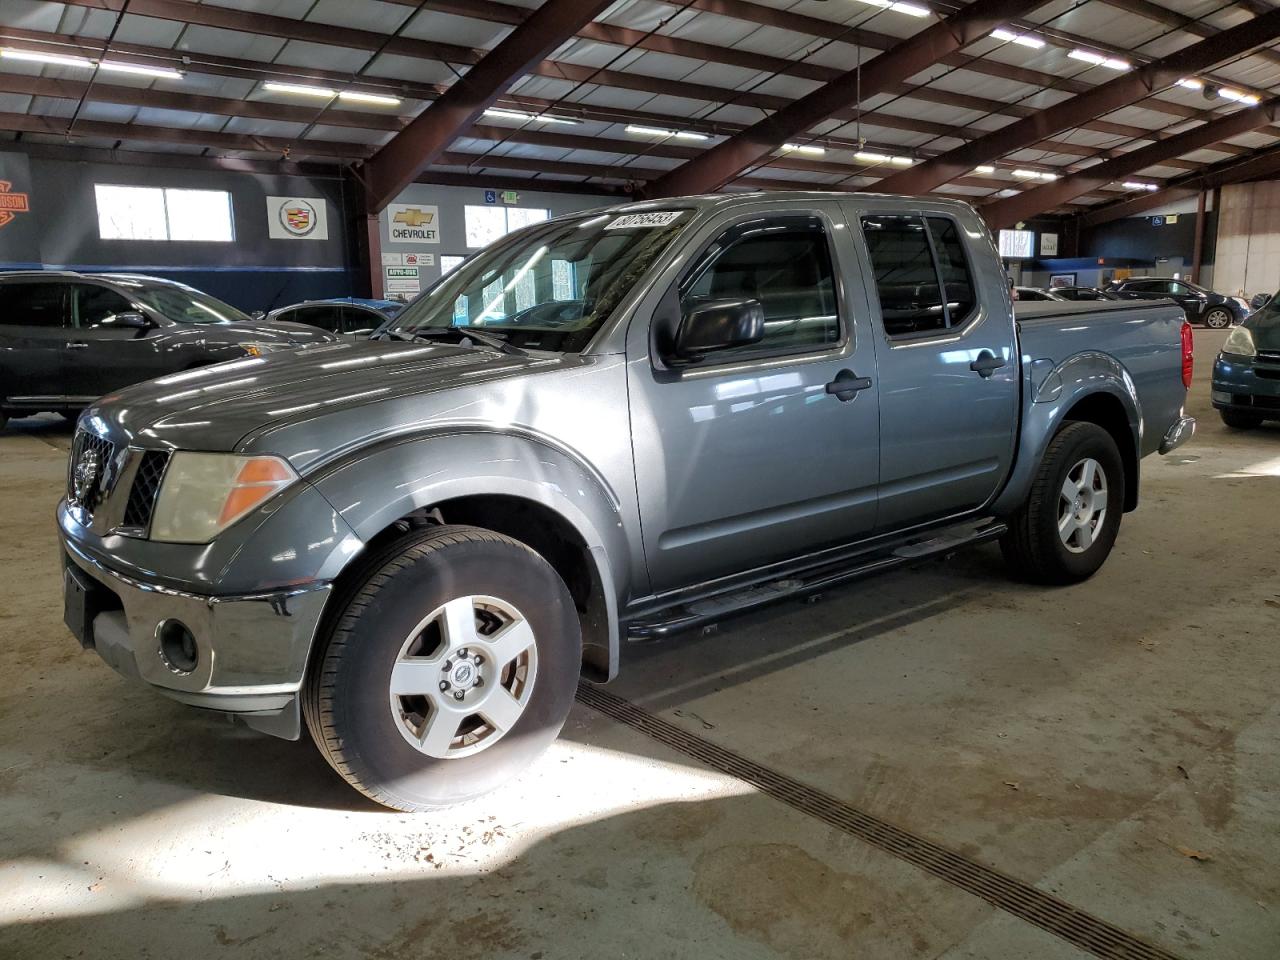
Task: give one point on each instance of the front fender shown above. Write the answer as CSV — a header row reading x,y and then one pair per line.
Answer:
x,y
1051,398
377,486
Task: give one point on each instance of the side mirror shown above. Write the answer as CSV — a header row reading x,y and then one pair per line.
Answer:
x,y
130,319
718,325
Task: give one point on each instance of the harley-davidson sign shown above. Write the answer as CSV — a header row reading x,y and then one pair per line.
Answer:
x,y
12,203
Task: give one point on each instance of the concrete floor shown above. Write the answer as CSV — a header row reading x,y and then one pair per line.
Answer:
x,y
1083,740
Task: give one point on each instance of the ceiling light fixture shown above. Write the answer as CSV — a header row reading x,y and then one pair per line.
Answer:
x,y
1099,60
1135,185
299,89
660,132
164,73
984,168
1191,83
910,9
1034,175
357,96
506,114
866,156
1239,96
1022,39
804,148
56,59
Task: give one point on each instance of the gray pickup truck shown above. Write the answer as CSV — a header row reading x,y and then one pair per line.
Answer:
x,y
614,425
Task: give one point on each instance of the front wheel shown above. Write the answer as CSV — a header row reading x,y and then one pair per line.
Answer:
x,y
1240,419
1066,528
451,667
1217,319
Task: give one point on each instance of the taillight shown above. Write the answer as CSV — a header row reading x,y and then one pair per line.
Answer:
x,y
1188,354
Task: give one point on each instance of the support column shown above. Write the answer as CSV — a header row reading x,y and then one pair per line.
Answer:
x,y
1198,253
373,247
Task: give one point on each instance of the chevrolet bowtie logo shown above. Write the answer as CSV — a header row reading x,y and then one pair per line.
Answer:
x,y
413,217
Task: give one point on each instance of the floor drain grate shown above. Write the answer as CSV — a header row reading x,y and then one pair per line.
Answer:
x,y
1013,896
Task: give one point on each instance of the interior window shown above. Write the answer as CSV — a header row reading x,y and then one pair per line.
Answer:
x,y
783,263
97,305
32,304
913,263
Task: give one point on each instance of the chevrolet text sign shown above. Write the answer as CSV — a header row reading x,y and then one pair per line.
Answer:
x,y
413,223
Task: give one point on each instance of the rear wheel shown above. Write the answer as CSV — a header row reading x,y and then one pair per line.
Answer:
x,y
1066,528
1240,419
1217,319
451,667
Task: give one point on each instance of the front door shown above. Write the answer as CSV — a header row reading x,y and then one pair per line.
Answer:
x,y
33,340
948,367
746,457
101,356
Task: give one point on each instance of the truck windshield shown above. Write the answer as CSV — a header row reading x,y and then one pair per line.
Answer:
x,y
549,286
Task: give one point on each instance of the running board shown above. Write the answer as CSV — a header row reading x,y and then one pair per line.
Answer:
x,y
694,614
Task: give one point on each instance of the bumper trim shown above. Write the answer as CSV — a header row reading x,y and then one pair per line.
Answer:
x,y
1178,434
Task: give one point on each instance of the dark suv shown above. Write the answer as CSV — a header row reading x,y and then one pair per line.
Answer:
x,y
1201,306
68,338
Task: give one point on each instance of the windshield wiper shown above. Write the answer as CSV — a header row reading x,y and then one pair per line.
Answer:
x,y
461,333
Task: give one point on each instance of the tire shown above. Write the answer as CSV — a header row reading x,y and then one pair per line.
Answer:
x,y
1240,420
1034,547
1217,319
386,629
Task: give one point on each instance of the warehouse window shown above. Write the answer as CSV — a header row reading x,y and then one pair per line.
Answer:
x,y
152,213
487,223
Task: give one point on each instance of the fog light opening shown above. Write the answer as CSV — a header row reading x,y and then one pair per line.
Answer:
x,y
178,648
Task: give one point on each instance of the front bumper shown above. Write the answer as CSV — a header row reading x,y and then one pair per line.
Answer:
x,y
1247,384
252,650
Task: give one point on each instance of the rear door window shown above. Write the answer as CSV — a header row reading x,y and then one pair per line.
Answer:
x,y
33,304
922,273
324,317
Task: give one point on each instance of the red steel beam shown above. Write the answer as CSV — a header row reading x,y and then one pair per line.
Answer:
x,y
419,144
1260,166
726,160
1100,100
1003,213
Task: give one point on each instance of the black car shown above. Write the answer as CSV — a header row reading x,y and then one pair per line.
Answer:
x,y
1200,305
68,338
346,315
1083,293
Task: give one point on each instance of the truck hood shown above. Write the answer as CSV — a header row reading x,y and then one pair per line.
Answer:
x,y
251,404
1265,327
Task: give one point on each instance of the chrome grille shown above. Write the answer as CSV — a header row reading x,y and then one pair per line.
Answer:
x,y
104,450
145,489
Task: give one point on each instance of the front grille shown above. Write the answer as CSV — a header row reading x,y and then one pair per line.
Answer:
x,y
146,486
1267,403
1270,355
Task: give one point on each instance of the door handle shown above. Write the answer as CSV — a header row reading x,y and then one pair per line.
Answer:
x,y
847,385
986,364
77,345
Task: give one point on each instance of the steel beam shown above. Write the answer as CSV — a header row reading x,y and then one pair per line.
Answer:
x,y
419,144
723,162
1004,213
1100,100
1260,166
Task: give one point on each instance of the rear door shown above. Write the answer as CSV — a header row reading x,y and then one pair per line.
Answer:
x,y
33,340
948,365
101,356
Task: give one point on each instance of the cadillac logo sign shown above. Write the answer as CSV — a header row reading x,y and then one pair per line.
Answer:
x,y
298,217
11,203
84,478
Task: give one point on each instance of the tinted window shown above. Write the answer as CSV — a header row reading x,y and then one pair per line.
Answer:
x,y
1178,288
95,305
1027,294
954,267
358,319
786,265
326,318
32,304
908,273
183,304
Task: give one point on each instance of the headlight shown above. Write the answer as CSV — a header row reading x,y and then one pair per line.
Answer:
x,y
258,349
204,493
1240,343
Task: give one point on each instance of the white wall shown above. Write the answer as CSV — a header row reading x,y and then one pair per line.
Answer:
x,y
1248,249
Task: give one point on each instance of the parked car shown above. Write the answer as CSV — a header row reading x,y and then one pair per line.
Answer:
x,y
349,316
1202,306
417,544
1035,294
1082,293
68,338
1246,375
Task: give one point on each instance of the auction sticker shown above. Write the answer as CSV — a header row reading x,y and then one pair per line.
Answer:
x,y
644,220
